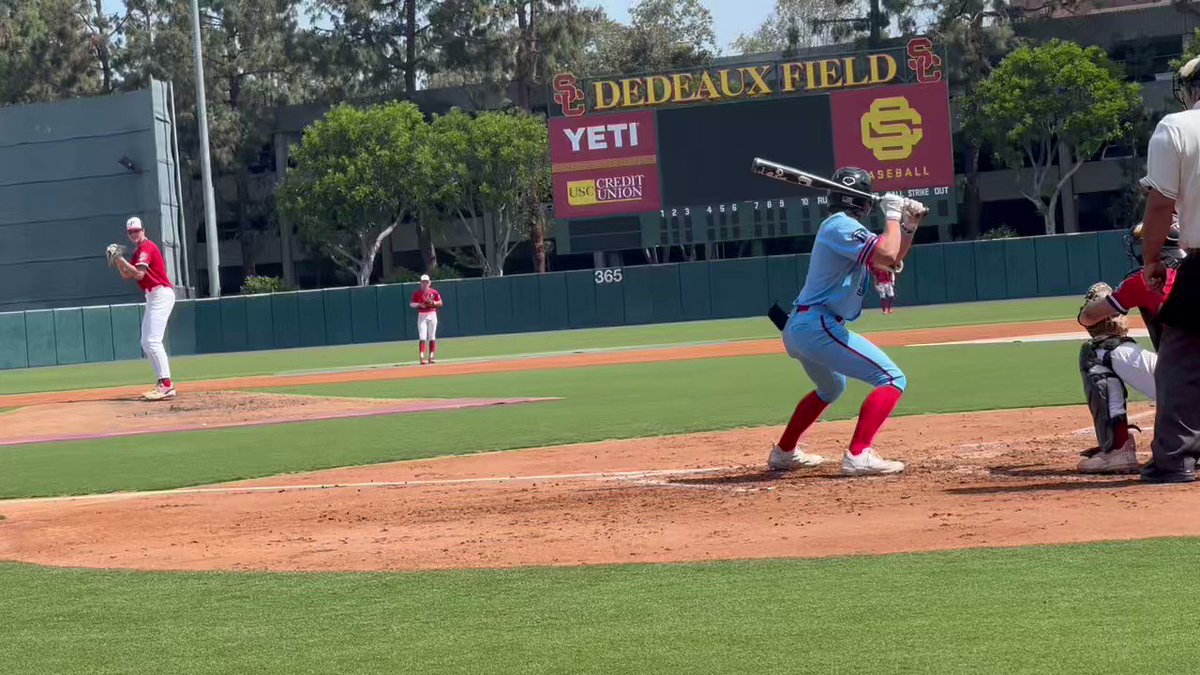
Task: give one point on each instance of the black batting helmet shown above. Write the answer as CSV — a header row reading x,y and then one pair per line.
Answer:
x,y
854,177
1172,253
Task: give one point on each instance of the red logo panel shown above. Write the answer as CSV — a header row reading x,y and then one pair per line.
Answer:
x,y
900,134
604,165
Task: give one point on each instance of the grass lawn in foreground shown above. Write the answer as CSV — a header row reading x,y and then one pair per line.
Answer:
x,y
214,366
1069,609
598,403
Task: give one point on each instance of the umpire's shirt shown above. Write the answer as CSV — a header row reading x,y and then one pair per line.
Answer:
x,y
1173,169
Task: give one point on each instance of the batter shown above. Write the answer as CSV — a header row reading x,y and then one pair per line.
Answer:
x,y
816,335
149,270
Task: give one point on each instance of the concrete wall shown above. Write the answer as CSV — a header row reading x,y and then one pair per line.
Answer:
x,y
936,273
64,196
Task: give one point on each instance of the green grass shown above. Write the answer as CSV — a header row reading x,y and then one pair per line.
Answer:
x,y
598,403
1070,609
271,362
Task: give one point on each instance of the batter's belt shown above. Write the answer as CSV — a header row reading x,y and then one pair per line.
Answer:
x,y
800,309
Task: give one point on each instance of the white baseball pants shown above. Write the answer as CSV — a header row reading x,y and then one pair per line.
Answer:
x,y
427,327
1135,366
159,303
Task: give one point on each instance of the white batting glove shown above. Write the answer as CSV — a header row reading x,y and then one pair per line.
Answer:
x,y
914,208
892,206
913,212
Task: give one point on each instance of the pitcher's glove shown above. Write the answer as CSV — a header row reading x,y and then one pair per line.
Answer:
x,y
113,252
1113,326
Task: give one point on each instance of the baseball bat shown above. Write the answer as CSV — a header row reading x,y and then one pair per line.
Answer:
x,y
795,176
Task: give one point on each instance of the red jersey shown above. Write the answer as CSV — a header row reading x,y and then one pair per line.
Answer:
x,y
147,257
881,276
421,297
1133,292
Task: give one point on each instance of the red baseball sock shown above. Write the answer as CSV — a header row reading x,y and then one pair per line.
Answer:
x,y
432,347
421,349
1120,435
875,410
166,382
807,411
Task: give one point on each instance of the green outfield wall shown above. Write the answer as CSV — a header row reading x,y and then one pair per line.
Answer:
x,y
934,274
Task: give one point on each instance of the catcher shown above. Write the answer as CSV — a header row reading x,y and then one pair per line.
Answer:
x,y
1111,360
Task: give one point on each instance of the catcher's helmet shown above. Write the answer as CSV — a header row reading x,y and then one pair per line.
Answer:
x,y
1172,253
852,177
1185,79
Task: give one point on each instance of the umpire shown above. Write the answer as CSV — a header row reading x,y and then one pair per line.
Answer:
x,y
1173,181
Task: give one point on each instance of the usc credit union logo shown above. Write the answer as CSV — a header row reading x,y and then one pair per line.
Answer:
x,y
891,129
608,190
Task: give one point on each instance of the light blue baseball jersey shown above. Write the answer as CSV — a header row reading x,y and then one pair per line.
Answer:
x,y
838,267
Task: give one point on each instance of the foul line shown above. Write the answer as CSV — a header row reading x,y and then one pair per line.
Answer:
x,y
447,482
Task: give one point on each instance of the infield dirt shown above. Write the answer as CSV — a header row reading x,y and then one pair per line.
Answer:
x,y
1003,478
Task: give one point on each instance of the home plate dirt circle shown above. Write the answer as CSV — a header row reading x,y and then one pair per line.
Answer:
x,y
90,420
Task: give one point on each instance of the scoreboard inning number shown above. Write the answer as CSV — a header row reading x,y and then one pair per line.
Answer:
x,y
686,212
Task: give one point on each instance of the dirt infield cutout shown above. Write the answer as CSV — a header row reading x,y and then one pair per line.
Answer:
x,y
90,420
981,479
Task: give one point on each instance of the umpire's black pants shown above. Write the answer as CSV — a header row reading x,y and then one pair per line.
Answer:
x,y
1177,379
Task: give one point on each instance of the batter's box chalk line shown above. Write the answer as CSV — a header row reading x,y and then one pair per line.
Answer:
x,y
600,476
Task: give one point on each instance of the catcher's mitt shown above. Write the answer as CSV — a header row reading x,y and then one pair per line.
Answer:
x,y
1112,326
113,252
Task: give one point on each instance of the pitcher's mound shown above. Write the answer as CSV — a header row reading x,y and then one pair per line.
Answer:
x,y
204,410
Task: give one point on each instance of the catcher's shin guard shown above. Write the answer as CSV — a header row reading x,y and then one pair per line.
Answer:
x,y
1105,392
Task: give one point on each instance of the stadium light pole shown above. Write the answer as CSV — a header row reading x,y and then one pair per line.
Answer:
x,y
210,206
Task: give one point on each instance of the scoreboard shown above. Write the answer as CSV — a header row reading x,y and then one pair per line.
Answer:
x,y
665,159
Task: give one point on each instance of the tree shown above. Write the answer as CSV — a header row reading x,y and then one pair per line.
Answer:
x,y
790,27
1057,103
494,182
976,34
806,23
662,35
45,52
353,181
103,30
497,42
254,62
374,46
522,42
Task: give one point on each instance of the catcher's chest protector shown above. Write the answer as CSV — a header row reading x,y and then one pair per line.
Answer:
x,y
1105,392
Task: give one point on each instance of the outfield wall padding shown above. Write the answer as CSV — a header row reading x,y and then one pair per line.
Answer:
x,y
934,274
